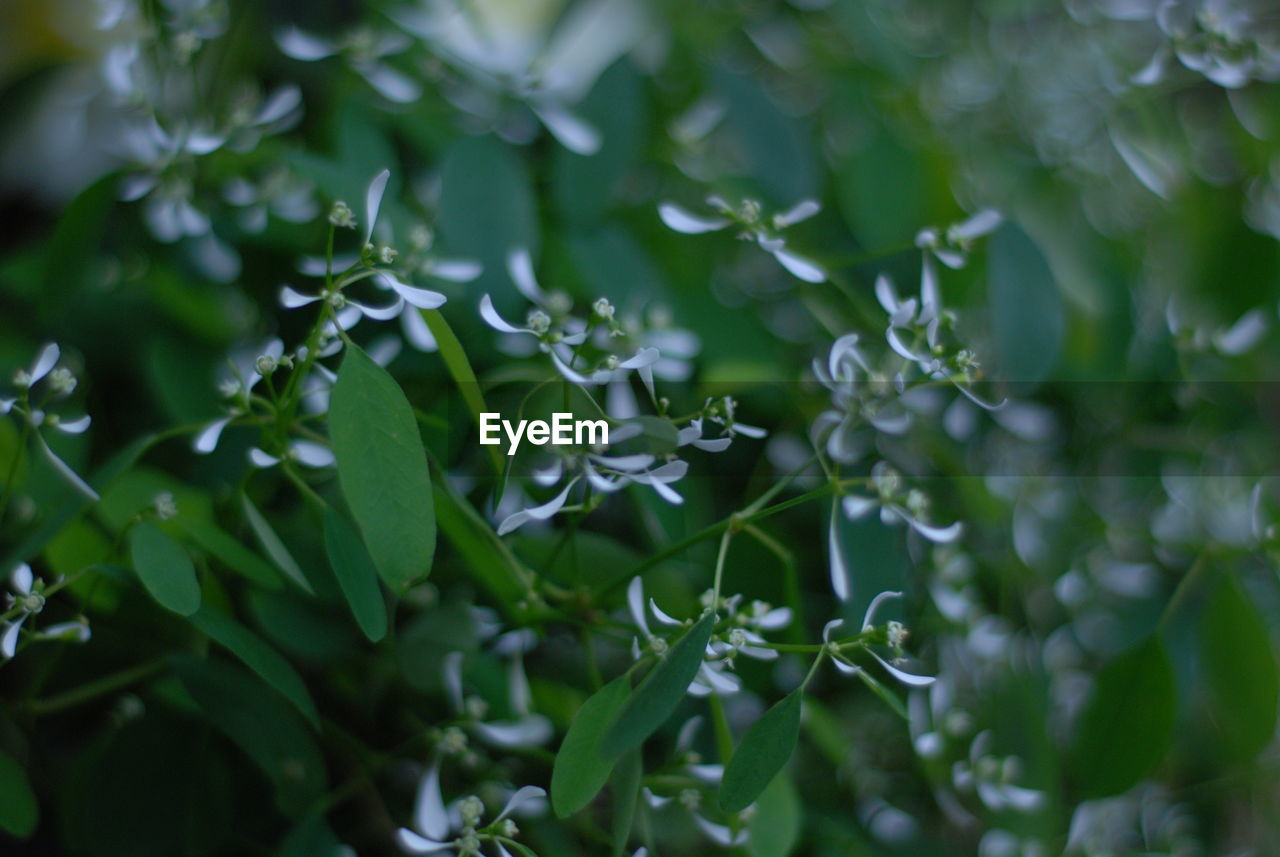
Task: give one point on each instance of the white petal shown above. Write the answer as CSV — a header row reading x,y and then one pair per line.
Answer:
x,y
379,313
280,104
720,834
680,220
839,573
531,731
778,617
291,298
6,405
417,333
67,473
9,641
655,801
905,677
312,454
625,463
662,616
635,603
394,85
45,361
455,270
930,300
415,844
520,268
829,629
574,133
940,535
875,604
802,210
22,579
885,294
721,682
536,513
1243,335
76,426
497,322
429,814
523,796
421,298
451,671
373,201
304,46
262,459
985,222
643,357
805,269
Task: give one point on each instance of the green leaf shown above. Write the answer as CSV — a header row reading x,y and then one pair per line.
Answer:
x,y
259,657
455,360
164,569
273,546
1027,315
19,812
626,793
383,469
762,753
356,574
311,838
580,770
1127,723
775,830
1241,671
260,723
890,698
487,557
229,551
661,691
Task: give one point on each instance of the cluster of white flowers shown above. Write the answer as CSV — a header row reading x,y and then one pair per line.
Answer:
x,y
26,601
752,225
35,389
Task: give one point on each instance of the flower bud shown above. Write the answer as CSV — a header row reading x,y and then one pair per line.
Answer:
x,y
341,216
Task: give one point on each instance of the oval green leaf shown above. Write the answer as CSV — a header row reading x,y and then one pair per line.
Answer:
x,y
661,691
258,656
625,789
762,753
356,574
164,568
273,546
775,829
580,769
382,468
1241,671
1126,726
19,811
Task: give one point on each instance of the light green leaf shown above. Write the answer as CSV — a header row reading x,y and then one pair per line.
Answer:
x,y
260,723
1241,670
661,691
164,569
257,656
356,574
580,770
890,698
383,469
275,548
775,830
1127,723
762,753
487,556
19,812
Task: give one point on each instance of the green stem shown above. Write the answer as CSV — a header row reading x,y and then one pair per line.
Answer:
x,y
94,689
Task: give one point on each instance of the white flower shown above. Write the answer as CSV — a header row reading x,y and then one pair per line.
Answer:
x,y
306,452
766,232
363,50
846,666
898,505
29,600
514,50
279,193
991,778
436,825
527,729
952,245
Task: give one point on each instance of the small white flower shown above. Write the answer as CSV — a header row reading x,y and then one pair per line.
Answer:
x,y
765,232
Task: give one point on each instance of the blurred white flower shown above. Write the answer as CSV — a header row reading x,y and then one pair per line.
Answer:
x,y
754,226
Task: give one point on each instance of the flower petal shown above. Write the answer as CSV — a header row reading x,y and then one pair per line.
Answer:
x,y
454,270
802,210
523,796
312,454
537,513
392,84
497,322
429,813
805,269
421,298
680,220
45,361
262,459
415,844
304,46
903,676
520,269
291,298
373,201
839,572
76,426
875,604
574,133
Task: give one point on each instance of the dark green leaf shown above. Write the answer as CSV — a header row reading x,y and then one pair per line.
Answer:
x,y
890,698
256,719
762,753
383,469
229,551
455,360
1127,723
1241,670
273,546
580,770
661,691
259,657
487,557
164,569
19,811
356,574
